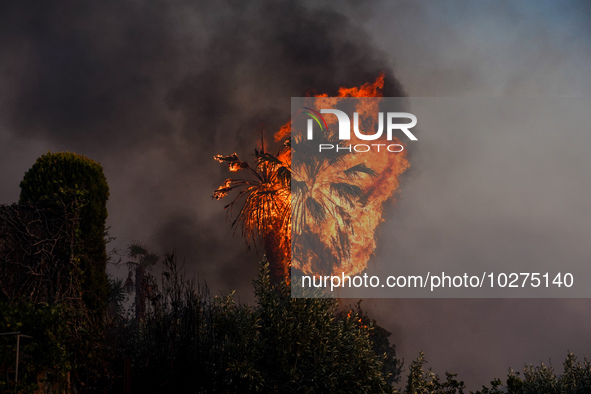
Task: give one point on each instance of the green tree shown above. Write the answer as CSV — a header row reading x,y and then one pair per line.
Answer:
x,y
192,342
577,375
379,337
575,379
421,381
306,346
59,180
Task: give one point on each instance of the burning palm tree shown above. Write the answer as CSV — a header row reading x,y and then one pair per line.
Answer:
x,y
264,216
330,203
266,213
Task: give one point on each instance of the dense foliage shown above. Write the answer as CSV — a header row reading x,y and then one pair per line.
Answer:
x,y
180,338
61,349
38,254
421,381
46,356
380,342
58,180
191,342
575,379
55,269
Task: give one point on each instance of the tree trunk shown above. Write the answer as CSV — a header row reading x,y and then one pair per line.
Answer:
x,y
140,292
278,252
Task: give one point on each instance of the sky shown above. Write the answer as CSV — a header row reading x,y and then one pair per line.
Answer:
x,y
154,90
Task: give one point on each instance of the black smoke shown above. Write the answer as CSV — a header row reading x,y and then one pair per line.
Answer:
x,y
153,90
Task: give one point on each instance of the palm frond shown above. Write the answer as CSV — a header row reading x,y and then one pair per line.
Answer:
x,y
135,249
264,201
221,192
263,158
149,260
299,186
341,244
357,170
316,210
347,191
234,163
284,175
344,216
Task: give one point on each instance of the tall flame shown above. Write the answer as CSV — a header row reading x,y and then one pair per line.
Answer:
x,y
364,217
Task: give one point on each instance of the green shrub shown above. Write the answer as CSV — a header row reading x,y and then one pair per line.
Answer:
x,y
62,180
43,354
191,342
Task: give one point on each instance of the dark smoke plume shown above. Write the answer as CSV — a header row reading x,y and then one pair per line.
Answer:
x,y
153,90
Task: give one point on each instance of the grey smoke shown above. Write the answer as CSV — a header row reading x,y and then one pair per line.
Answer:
x,y
153,90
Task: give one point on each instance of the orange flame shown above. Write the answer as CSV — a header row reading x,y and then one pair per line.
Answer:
x,y
378,189
366,90
283,133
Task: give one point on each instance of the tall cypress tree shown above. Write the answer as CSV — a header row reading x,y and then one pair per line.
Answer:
x,y
69,180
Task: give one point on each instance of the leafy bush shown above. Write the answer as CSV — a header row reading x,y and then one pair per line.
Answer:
x,y
191,342
43,355
59,180
576,379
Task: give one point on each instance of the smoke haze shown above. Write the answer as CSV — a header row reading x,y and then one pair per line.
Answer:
x,y
154,90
